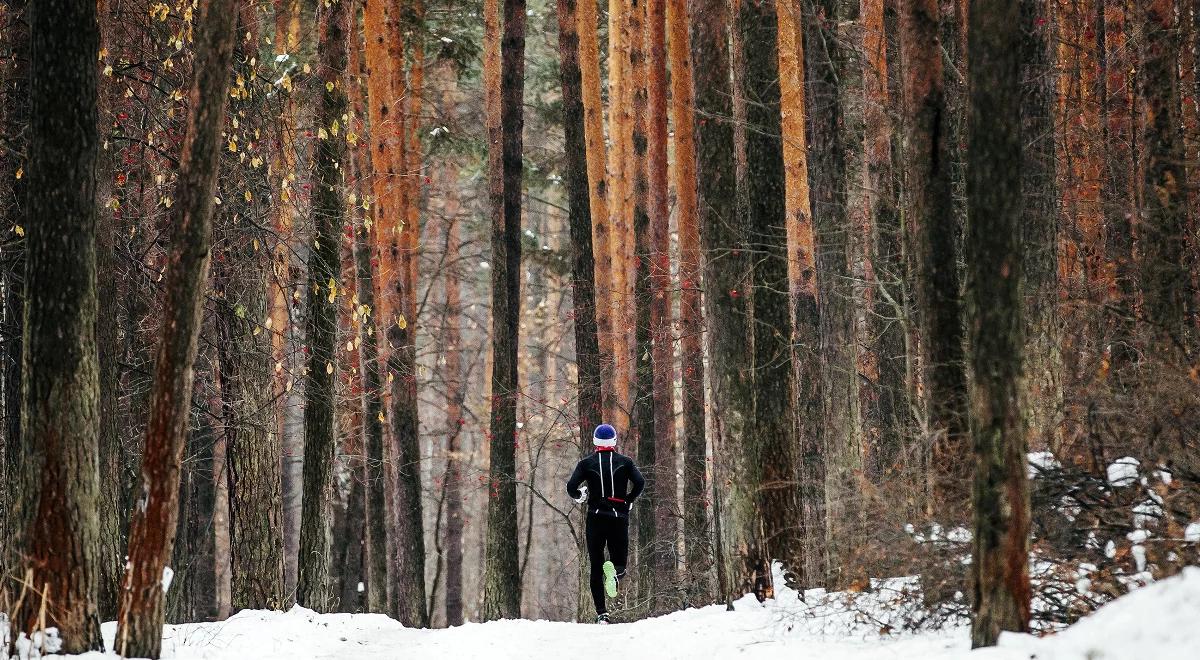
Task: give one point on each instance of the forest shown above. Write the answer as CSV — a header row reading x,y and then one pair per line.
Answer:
x,y
894,303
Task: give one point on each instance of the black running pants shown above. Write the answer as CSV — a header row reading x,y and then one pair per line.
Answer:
x,y
605,529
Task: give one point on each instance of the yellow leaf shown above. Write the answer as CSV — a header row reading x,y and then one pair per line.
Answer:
x,y
321,133
19,230
332,289
248,196
401,322
381,419
233,146
328,367
20,172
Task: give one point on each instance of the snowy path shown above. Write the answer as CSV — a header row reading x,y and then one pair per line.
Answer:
x,y
1155,623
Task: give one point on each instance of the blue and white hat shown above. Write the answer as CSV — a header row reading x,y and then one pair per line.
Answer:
x,y
605,436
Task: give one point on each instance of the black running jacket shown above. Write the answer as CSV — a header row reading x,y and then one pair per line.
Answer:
x,y
608,476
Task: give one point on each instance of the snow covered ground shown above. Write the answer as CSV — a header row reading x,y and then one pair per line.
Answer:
x,y
1154,623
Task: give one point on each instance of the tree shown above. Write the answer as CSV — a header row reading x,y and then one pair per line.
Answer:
x,y
804,312
1165,280
323,270
583,290
929,206
56,463
697,545
994,265
504,74
153,525
722,239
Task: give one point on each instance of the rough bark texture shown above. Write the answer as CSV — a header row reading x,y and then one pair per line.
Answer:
x,y
697,543
502,582
802,287
929,208
768,447
1042,393
57,464
319,429
583,291
666,480
722,237
1165,279
153,526
994,265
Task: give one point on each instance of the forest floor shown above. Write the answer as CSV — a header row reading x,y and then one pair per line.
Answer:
x,y
1156,622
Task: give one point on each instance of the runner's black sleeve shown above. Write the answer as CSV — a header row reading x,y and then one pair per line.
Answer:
x,y
577,478
639,482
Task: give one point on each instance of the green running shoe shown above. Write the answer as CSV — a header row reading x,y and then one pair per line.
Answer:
x,y
610,579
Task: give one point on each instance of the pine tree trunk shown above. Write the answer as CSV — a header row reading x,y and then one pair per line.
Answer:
x,y
154,523
313,588
696,505
408,580
583,290
722,237
804,313
1039,227
380,25
1165,280
769,448
598,203
56,464
505,43
455,394
994,298
930,209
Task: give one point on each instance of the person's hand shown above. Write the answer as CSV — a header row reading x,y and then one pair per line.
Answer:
x,y
583,494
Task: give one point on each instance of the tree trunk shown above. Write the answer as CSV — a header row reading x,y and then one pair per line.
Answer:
x,y
153,526
804,313
408,579
930,209
697,543
598,205
722,237
583,290
620,208
1042,390
313,588
505,46
57,465
994,266
455,395
1165,280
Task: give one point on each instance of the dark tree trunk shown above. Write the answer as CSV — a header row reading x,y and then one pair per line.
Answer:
x,y
769,446
376,560
153,526
502,574
14,118
313,588
350,552
57,465
929,207
994,299
1165,280
583,285
722,236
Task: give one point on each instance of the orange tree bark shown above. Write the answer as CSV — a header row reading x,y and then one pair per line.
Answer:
x,y
380,26
408,582
930,209
505,88
722,238
593,127
56,466
994,266
153,526
697,545
802,281
313,588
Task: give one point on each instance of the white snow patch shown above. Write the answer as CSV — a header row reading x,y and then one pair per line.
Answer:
x,y
1191,533
168,575
1041,461
1123,471
1155,622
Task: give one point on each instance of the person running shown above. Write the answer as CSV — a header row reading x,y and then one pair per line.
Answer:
x,y
608,476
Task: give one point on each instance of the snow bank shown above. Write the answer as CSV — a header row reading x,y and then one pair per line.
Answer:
x,y
1155,622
